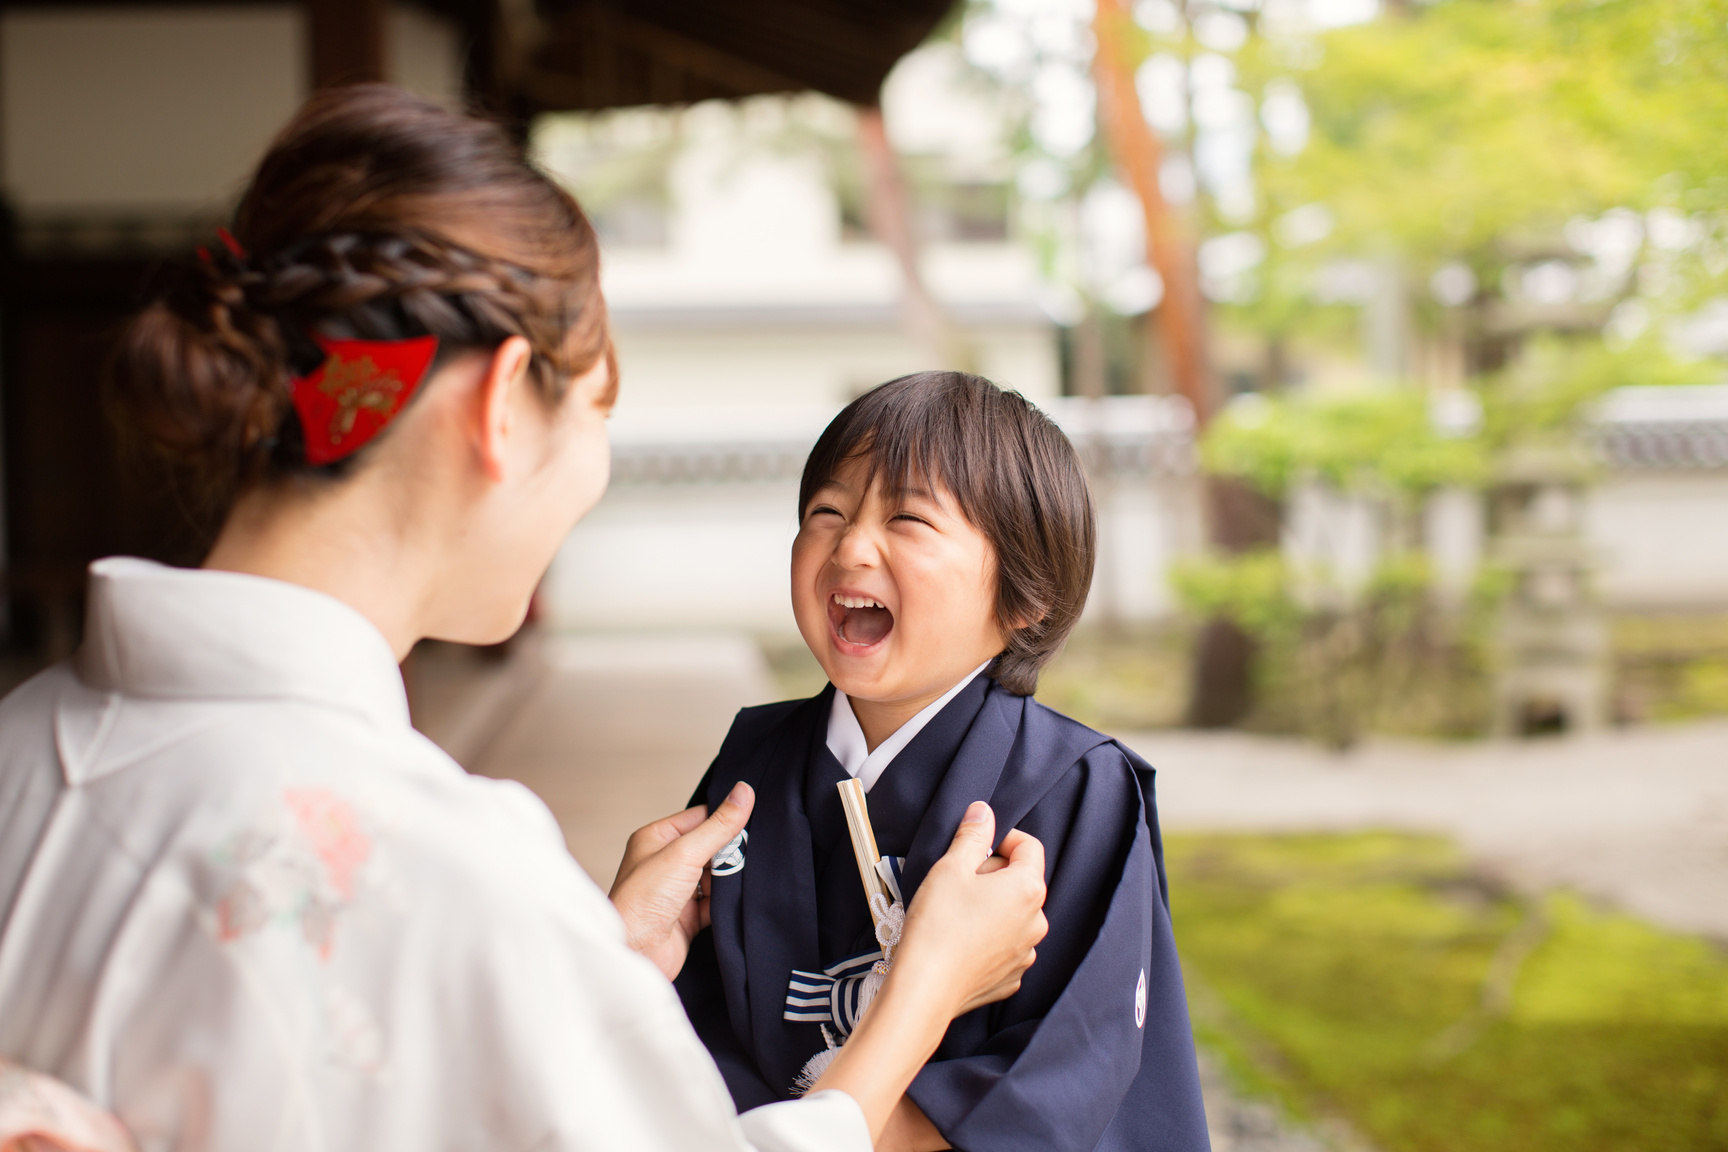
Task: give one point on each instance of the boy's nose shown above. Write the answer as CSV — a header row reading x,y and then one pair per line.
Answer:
x,y
858,548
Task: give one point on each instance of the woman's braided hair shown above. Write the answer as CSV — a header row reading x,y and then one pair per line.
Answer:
x,y
377,216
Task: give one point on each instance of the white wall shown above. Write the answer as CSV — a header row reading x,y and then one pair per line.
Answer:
x,y
1662,539
712,556
715,556
1144,526
164,110
665,551
1658,540
798,362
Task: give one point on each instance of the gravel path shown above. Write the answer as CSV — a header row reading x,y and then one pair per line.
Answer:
x,y
1239,1124
1637,818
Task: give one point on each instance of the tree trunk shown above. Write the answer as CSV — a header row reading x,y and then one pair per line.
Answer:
x,y
1169,248
1238,519
889,209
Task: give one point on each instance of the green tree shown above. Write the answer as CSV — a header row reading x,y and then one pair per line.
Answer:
x,y
1473,132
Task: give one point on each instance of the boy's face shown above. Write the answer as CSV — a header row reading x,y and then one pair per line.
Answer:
x,y
897,598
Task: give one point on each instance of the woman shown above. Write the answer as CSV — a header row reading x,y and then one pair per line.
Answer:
x,y
244,904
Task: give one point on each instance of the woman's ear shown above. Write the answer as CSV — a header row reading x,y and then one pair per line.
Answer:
x,y
506,374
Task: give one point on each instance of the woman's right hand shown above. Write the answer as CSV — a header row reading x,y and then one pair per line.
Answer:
x,y
970,934
975,923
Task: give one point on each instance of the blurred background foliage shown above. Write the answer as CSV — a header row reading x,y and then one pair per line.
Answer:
x,y
1386,443
1333,666
1449,228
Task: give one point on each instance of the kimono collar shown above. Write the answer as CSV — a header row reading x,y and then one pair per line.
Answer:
x,y
846,736
188,634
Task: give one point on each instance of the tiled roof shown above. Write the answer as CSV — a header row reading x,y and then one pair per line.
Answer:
x,y
1662,429
1118,437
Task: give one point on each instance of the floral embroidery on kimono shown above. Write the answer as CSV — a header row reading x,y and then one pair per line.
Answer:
x,y
302,873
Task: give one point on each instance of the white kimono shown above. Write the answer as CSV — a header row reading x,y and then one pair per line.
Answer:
x,y
247,907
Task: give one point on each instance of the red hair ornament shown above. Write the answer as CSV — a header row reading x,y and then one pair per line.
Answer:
x,y
358,389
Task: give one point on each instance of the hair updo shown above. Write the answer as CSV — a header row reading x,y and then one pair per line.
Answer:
x,y
375,215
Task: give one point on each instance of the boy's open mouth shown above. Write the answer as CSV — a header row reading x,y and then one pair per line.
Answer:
x,y
858,619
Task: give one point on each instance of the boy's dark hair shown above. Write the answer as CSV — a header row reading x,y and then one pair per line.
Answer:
x,y
1016,478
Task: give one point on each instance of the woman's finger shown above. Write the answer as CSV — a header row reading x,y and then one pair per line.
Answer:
x,y
699,844
977,830
974,923
687,820
650,838
655,892
1023,851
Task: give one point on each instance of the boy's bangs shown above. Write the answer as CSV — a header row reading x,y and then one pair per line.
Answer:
x,y
918,444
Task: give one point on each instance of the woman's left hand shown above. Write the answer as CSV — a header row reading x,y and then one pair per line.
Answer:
x,y
663,871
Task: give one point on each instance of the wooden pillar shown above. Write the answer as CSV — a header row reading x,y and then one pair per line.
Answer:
x,y
346,41
482,75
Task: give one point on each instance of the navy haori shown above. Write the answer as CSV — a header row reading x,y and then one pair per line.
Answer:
x,y
1094,1052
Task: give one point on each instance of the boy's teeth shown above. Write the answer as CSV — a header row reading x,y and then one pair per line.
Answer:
x,y
857,601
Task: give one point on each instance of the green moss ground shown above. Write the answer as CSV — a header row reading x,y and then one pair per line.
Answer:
x,y
1374,978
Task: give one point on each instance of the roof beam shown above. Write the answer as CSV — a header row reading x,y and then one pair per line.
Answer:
x,y
346,41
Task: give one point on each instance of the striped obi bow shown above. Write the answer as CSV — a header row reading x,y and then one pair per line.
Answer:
x,y
835,995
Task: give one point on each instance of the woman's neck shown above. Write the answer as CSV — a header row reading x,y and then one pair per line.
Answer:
x,y
343,540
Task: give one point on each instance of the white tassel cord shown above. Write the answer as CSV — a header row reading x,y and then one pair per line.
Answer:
x,y
816,1065
889,917
890,922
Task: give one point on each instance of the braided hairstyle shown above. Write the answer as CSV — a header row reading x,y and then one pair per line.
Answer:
x,y
376,216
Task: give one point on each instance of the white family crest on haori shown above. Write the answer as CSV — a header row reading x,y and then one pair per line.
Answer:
x,y
730,859
1140,1001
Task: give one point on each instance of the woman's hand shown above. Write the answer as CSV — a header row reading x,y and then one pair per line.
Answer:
x,y
970,934
664,868
975,923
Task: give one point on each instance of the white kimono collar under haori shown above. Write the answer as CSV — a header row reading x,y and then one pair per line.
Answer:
x,y
846,737
162,633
